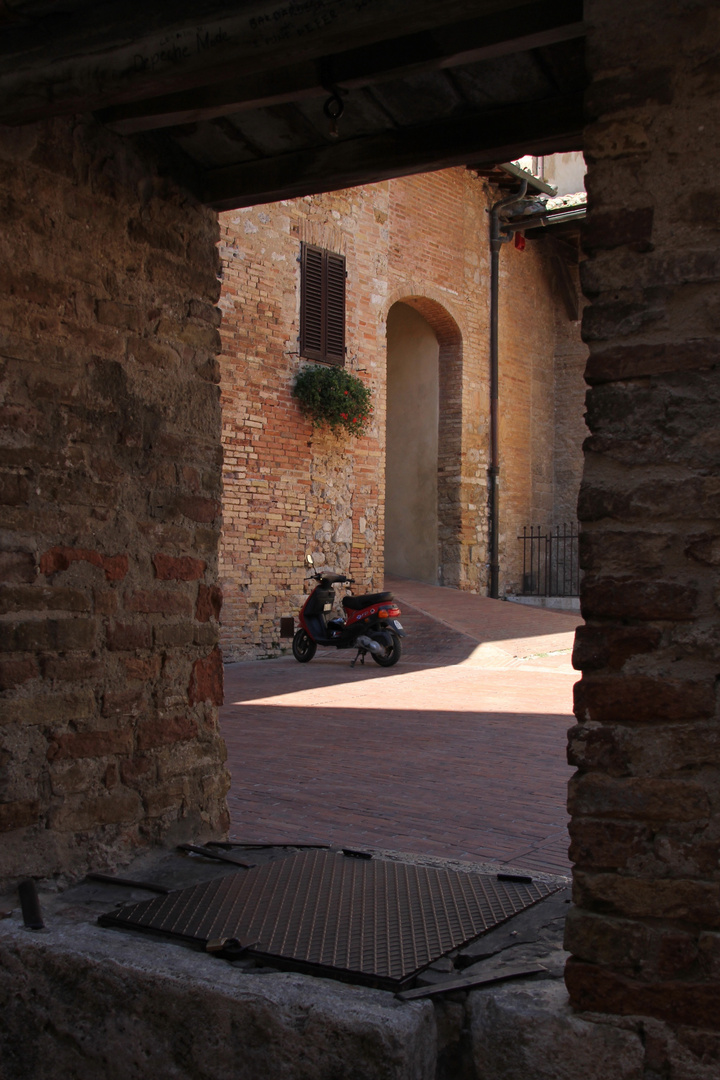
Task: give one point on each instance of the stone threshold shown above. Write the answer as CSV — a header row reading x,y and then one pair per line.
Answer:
x,y
552,603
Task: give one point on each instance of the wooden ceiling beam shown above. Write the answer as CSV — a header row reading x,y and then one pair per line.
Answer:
x,y
534,25
485,138
100,54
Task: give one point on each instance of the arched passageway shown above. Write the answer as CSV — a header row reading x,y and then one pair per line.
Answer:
x,y
411,502
423,521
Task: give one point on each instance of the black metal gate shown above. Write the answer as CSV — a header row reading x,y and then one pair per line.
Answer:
x,y
551,565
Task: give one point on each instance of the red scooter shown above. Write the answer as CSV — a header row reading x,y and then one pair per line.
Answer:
x,y
370,624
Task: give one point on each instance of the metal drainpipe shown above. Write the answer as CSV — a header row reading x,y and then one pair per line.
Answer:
x,y
496,242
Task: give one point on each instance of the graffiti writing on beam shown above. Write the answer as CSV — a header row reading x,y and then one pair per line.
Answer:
x,y
176,53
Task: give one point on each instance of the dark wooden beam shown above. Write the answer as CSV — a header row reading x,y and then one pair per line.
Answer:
x,y
533,25
470,139
100,54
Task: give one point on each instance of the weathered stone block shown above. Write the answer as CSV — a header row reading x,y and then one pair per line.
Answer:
x,y
642,699
17,566
597,647
123,702
17,815
620,227
49,709
206,683
42,598
641,360
637,798
628,598
59,558
209,603
695,903
198,508
82,813
593,987
155,601
530,1031
15,672
183,568
126,636
193,1015
163,731
608,844
89,744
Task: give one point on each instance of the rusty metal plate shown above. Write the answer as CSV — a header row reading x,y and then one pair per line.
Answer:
x,y
372,921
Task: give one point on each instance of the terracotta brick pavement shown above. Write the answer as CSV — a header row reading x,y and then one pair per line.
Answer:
x,y
458,751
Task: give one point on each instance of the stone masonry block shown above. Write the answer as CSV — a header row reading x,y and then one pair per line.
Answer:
x,y
642,699
206,683
42,598
15,672
597,647
17,815
77,997
637,798
628,598
209,603
49,709
17,566
60,558
127,636
183,568
164,731
89,744
616,228
695,903
530,1031
608,844
81,813
593,987
156,601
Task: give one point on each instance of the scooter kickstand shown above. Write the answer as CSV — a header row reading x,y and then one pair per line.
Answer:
x,y
360,656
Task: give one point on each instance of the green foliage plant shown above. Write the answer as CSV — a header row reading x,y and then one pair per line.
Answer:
x,y
335,398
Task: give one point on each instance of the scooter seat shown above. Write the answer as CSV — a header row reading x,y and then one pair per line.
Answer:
x,y
357,603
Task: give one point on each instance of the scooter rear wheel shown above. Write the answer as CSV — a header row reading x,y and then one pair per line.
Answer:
x,y
392,654
304,648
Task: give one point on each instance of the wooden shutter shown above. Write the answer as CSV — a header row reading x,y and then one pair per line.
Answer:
x,y
322,305
335,308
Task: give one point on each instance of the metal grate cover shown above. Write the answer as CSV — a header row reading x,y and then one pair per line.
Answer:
x,y
371,921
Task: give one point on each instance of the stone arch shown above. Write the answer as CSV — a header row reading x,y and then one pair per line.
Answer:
x,y
447,329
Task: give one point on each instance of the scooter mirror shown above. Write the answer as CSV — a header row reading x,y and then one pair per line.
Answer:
x,y
309,561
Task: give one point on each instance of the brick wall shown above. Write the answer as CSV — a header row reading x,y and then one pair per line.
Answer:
x,y
646,798
110,674
422,240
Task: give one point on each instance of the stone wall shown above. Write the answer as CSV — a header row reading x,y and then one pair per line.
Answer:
x,y
646,798
110,675
423,241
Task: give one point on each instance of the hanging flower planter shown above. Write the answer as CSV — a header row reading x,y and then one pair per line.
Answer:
x,y
334,398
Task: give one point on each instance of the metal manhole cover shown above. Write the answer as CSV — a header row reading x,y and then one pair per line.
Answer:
x,y
371,921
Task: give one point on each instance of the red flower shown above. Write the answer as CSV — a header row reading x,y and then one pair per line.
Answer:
x,y
346,393
344,415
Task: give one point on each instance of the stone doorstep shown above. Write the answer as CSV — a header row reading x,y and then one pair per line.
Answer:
x,y
80,1001
553,603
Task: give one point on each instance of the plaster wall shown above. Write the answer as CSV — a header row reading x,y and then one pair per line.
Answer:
x,y
411,533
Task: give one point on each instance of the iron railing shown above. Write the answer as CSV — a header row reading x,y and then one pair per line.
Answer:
x,y
551,565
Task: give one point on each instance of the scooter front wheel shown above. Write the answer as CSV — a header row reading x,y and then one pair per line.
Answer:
x,y
392,653
304,648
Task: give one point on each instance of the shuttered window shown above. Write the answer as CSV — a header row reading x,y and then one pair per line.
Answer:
x,y
322,305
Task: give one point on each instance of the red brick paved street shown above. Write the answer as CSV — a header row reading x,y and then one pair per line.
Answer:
x,y
458,751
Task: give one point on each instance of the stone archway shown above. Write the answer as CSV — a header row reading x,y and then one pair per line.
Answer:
x,y
424,442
